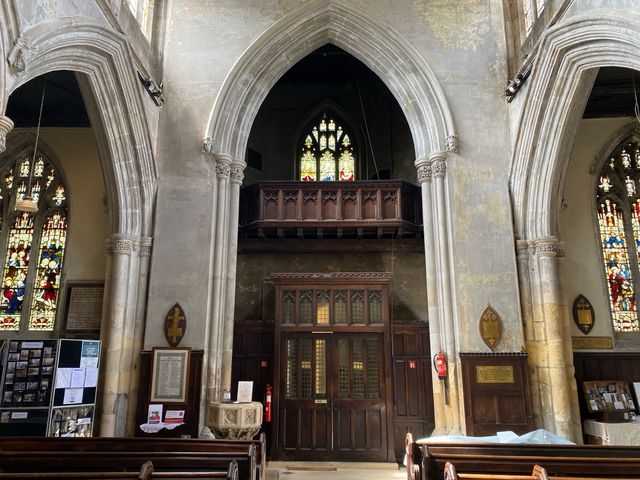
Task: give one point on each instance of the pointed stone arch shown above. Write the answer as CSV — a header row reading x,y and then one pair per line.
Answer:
x,y
566,66
384,51
114,105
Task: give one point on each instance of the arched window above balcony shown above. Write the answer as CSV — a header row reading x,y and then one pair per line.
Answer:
x,y
327,153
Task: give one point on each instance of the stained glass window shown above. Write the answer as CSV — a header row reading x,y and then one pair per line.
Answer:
x,y
25,283
618,208
327,153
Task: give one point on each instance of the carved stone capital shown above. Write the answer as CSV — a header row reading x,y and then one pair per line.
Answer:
x,y
522,249
20,55
207,146
424,173
237,174
6,125
223,166
439,168
120,244
144,246
546,246
452,143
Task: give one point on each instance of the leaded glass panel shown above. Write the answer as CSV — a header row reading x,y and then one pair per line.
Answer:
x,y
373,368
357,306
289,306
305,368
375,306
322,308
327,153
291,369
340,306
321,368
343,368
16,269
49,269
357,368
306,310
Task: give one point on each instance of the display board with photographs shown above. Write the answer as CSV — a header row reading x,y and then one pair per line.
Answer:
x,y
76,377
28,378
71,421
608,397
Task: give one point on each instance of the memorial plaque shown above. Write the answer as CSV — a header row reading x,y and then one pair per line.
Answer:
x,y
599,343
84,307
175,325
494,374
490,327
583,314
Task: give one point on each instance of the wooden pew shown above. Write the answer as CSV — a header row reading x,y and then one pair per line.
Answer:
x,y
450,473
150,445
20,461
146,473
428,460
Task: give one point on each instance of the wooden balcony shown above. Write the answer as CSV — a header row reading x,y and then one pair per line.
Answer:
x,y
333,210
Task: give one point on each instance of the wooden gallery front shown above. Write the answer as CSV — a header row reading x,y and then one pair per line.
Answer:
x,y
330,305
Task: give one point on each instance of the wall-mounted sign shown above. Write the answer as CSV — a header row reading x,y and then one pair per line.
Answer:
x,y
490,327
494,374
583,314
596,343
175,324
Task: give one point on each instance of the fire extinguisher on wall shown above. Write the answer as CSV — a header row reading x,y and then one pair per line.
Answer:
x,y
440,364
267,405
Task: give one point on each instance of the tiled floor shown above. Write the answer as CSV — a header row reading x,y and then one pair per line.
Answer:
x,y
333,471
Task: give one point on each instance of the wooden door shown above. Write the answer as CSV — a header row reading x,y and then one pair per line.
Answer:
x,y
332,398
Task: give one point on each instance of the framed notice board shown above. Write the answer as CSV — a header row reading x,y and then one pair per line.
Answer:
x,y
77,373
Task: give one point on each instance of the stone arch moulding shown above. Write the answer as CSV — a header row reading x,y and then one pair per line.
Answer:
x,y
317,23
566,65
116,104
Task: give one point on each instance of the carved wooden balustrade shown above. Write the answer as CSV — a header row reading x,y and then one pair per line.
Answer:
x,y
366,209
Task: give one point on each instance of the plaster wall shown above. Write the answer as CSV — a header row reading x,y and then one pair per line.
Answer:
x,y
462,42
76,150
255,300
583,261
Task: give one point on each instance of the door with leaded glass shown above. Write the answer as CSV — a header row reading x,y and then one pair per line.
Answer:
x,y
332,393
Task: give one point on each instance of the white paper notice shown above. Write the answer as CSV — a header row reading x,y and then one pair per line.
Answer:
x,y
84,421
19,415
245,391
72,396
32,344
77,378
91,377
63,378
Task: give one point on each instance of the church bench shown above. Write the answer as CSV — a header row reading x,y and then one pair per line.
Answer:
x,y
127,444
146,473
427,461
20,461
450,473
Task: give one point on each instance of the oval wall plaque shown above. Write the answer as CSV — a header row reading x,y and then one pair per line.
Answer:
x,y
583,314
490,327
175,324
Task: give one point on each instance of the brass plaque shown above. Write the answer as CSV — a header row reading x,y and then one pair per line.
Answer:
x,y
494,374
175,324
583,343
583,314
490,327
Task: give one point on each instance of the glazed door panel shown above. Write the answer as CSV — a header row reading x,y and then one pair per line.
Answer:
x,y
332,397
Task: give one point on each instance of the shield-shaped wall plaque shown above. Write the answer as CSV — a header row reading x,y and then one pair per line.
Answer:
x,y
490,327
583,314
175,325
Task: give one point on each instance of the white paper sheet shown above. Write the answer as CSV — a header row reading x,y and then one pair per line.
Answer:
x,y
245,391
91,377
72,396
77,377
63,378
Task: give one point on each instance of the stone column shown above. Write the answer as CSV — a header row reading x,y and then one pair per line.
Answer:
x,y
547,347
237,168
114,401
444,286
216,320
435,329
6,125
144,255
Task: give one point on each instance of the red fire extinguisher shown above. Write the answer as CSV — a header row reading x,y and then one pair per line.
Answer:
x,y
440,364
267,405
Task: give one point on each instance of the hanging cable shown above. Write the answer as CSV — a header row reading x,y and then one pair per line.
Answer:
x,y
366,129
636,107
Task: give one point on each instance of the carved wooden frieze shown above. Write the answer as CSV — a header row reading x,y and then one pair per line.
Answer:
x,y
490,327
175,325
583,314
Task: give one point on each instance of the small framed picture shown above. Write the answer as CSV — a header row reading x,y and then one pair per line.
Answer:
x,y
34,362
21,373
33,372
14,357
11,367
24,354
29,397
21,365
35,353
47,361
19,386
46,352
13,346
169,375
47,370
32,385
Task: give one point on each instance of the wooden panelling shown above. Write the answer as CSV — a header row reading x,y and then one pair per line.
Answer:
x,y
496,393
413,392
192,408
590,366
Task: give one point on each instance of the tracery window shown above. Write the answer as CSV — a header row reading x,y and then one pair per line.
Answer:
x,y
618,203
532,9
30,289
327,153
